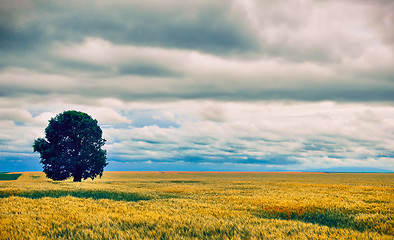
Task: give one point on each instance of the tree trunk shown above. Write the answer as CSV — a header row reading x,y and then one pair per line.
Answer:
x,y
77,177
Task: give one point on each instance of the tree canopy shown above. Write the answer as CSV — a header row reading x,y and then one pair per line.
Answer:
x,y
72,147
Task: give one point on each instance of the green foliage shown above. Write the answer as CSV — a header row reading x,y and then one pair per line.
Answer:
x,y
9,176
72,147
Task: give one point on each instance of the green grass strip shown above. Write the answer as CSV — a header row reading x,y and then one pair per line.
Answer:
x,y
9,176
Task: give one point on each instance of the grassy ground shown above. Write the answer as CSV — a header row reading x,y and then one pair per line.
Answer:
x,y
127,205
9,176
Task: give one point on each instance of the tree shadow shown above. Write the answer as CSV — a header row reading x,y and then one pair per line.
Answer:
x,y
93,194
9,176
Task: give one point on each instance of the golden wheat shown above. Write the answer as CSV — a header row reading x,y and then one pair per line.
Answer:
x,y
150,205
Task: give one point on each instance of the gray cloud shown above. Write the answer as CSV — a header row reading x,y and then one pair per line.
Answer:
x,y
146,70
204,84
207,50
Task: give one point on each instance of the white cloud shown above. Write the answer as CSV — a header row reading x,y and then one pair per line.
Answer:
x,y
199,82
15,114
293,135
106,115
16,78
316,134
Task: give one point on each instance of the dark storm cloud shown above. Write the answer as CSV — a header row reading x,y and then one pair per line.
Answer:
x,y
268,159
209,27
296,55
255,92
19,40
281,160
146,70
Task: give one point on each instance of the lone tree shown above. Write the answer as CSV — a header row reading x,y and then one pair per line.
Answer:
x,y
72,147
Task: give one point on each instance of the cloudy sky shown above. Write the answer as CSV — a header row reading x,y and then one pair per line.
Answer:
x,y
242,85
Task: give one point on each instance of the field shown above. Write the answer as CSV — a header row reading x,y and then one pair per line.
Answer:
x,y
192,205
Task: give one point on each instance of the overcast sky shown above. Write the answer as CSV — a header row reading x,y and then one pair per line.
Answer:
x,y
243,85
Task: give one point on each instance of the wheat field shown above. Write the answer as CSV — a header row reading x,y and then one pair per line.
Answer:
x,y
198,205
